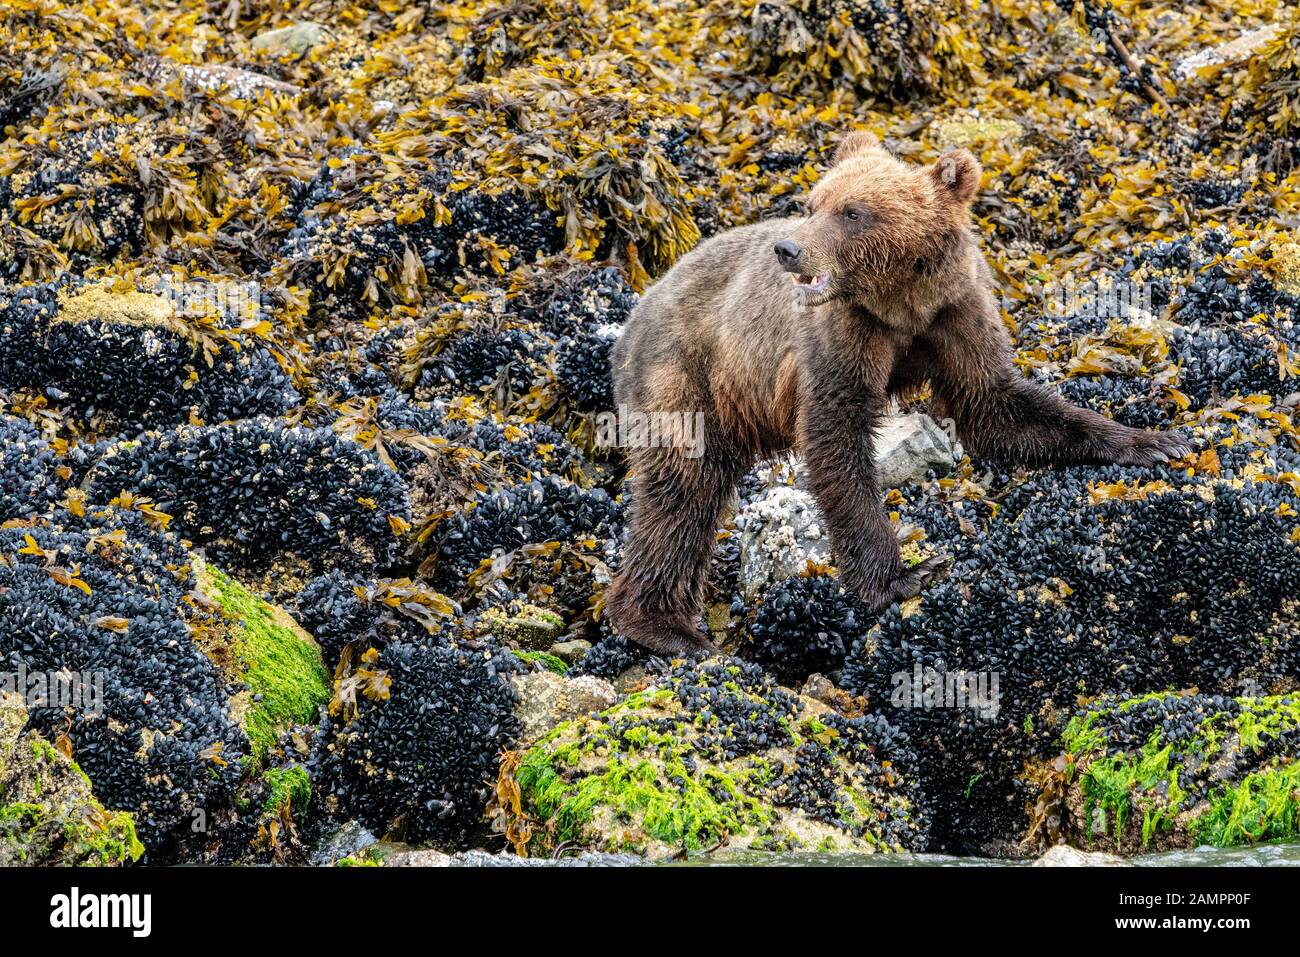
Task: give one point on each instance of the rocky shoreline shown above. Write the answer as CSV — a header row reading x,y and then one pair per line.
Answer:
x,y
305,519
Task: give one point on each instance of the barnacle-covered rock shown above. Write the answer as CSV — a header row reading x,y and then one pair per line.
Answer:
x,y
1179,769
538,513
1091,582
256,491
342,609
147,715
187,358
519,624
415,739
48,813
717,752
29,482
780,531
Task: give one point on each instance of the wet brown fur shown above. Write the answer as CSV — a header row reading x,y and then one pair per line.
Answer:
x,y
726,334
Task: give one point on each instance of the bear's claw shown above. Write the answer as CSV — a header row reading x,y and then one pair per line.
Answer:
x,y
911,581
1151,448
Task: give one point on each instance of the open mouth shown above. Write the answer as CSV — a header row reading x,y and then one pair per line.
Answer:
x,y
811,283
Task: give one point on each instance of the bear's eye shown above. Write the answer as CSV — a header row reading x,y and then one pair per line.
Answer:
x,y
855,214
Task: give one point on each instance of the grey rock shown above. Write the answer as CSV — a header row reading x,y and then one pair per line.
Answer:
x,y
908,446
571,651
350,839
296,39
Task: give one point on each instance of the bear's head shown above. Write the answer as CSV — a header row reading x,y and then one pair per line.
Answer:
x,y
873,219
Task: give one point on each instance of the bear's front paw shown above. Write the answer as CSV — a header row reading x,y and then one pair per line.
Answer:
x,y
910,581
1149,448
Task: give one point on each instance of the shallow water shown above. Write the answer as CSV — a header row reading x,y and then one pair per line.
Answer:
x,y
1264,855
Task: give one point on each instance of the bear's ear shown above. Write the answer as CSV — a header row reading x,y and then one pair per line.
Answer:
x,y
859,141
957,174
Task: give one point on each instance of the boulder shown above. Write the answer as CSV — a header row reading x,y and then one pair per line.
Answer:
x,y
780,533
48,813
1063,855
910,445
716,754
293,40
547,699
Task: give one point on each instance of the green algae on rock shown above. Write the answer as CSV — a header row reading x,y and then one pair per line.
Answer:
x,y
715,755
280,664
522,624
1174,769
48,812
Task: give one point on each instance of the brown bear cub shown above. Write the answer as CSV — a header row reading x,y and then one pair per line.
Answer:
x,y
793,334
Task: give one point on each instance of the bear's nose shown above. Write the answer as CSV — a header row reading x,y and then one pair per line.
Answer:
x,y
788,253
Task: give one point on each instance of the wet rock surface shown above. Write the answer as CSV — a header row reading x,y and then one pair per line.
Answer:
x,y
304,349
715,754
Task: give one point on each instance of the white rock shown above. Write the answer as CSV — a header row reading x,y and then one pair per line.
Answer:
x,y
296,39
242,83
908,446
1230,53
1063,855
781,530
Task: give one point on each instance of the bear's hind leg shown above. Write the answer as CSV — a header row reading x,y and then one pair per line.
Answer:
x,y
677,503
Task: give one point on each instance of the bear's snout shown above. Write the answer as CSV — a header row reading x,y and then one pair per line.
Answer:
x,y
789,254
